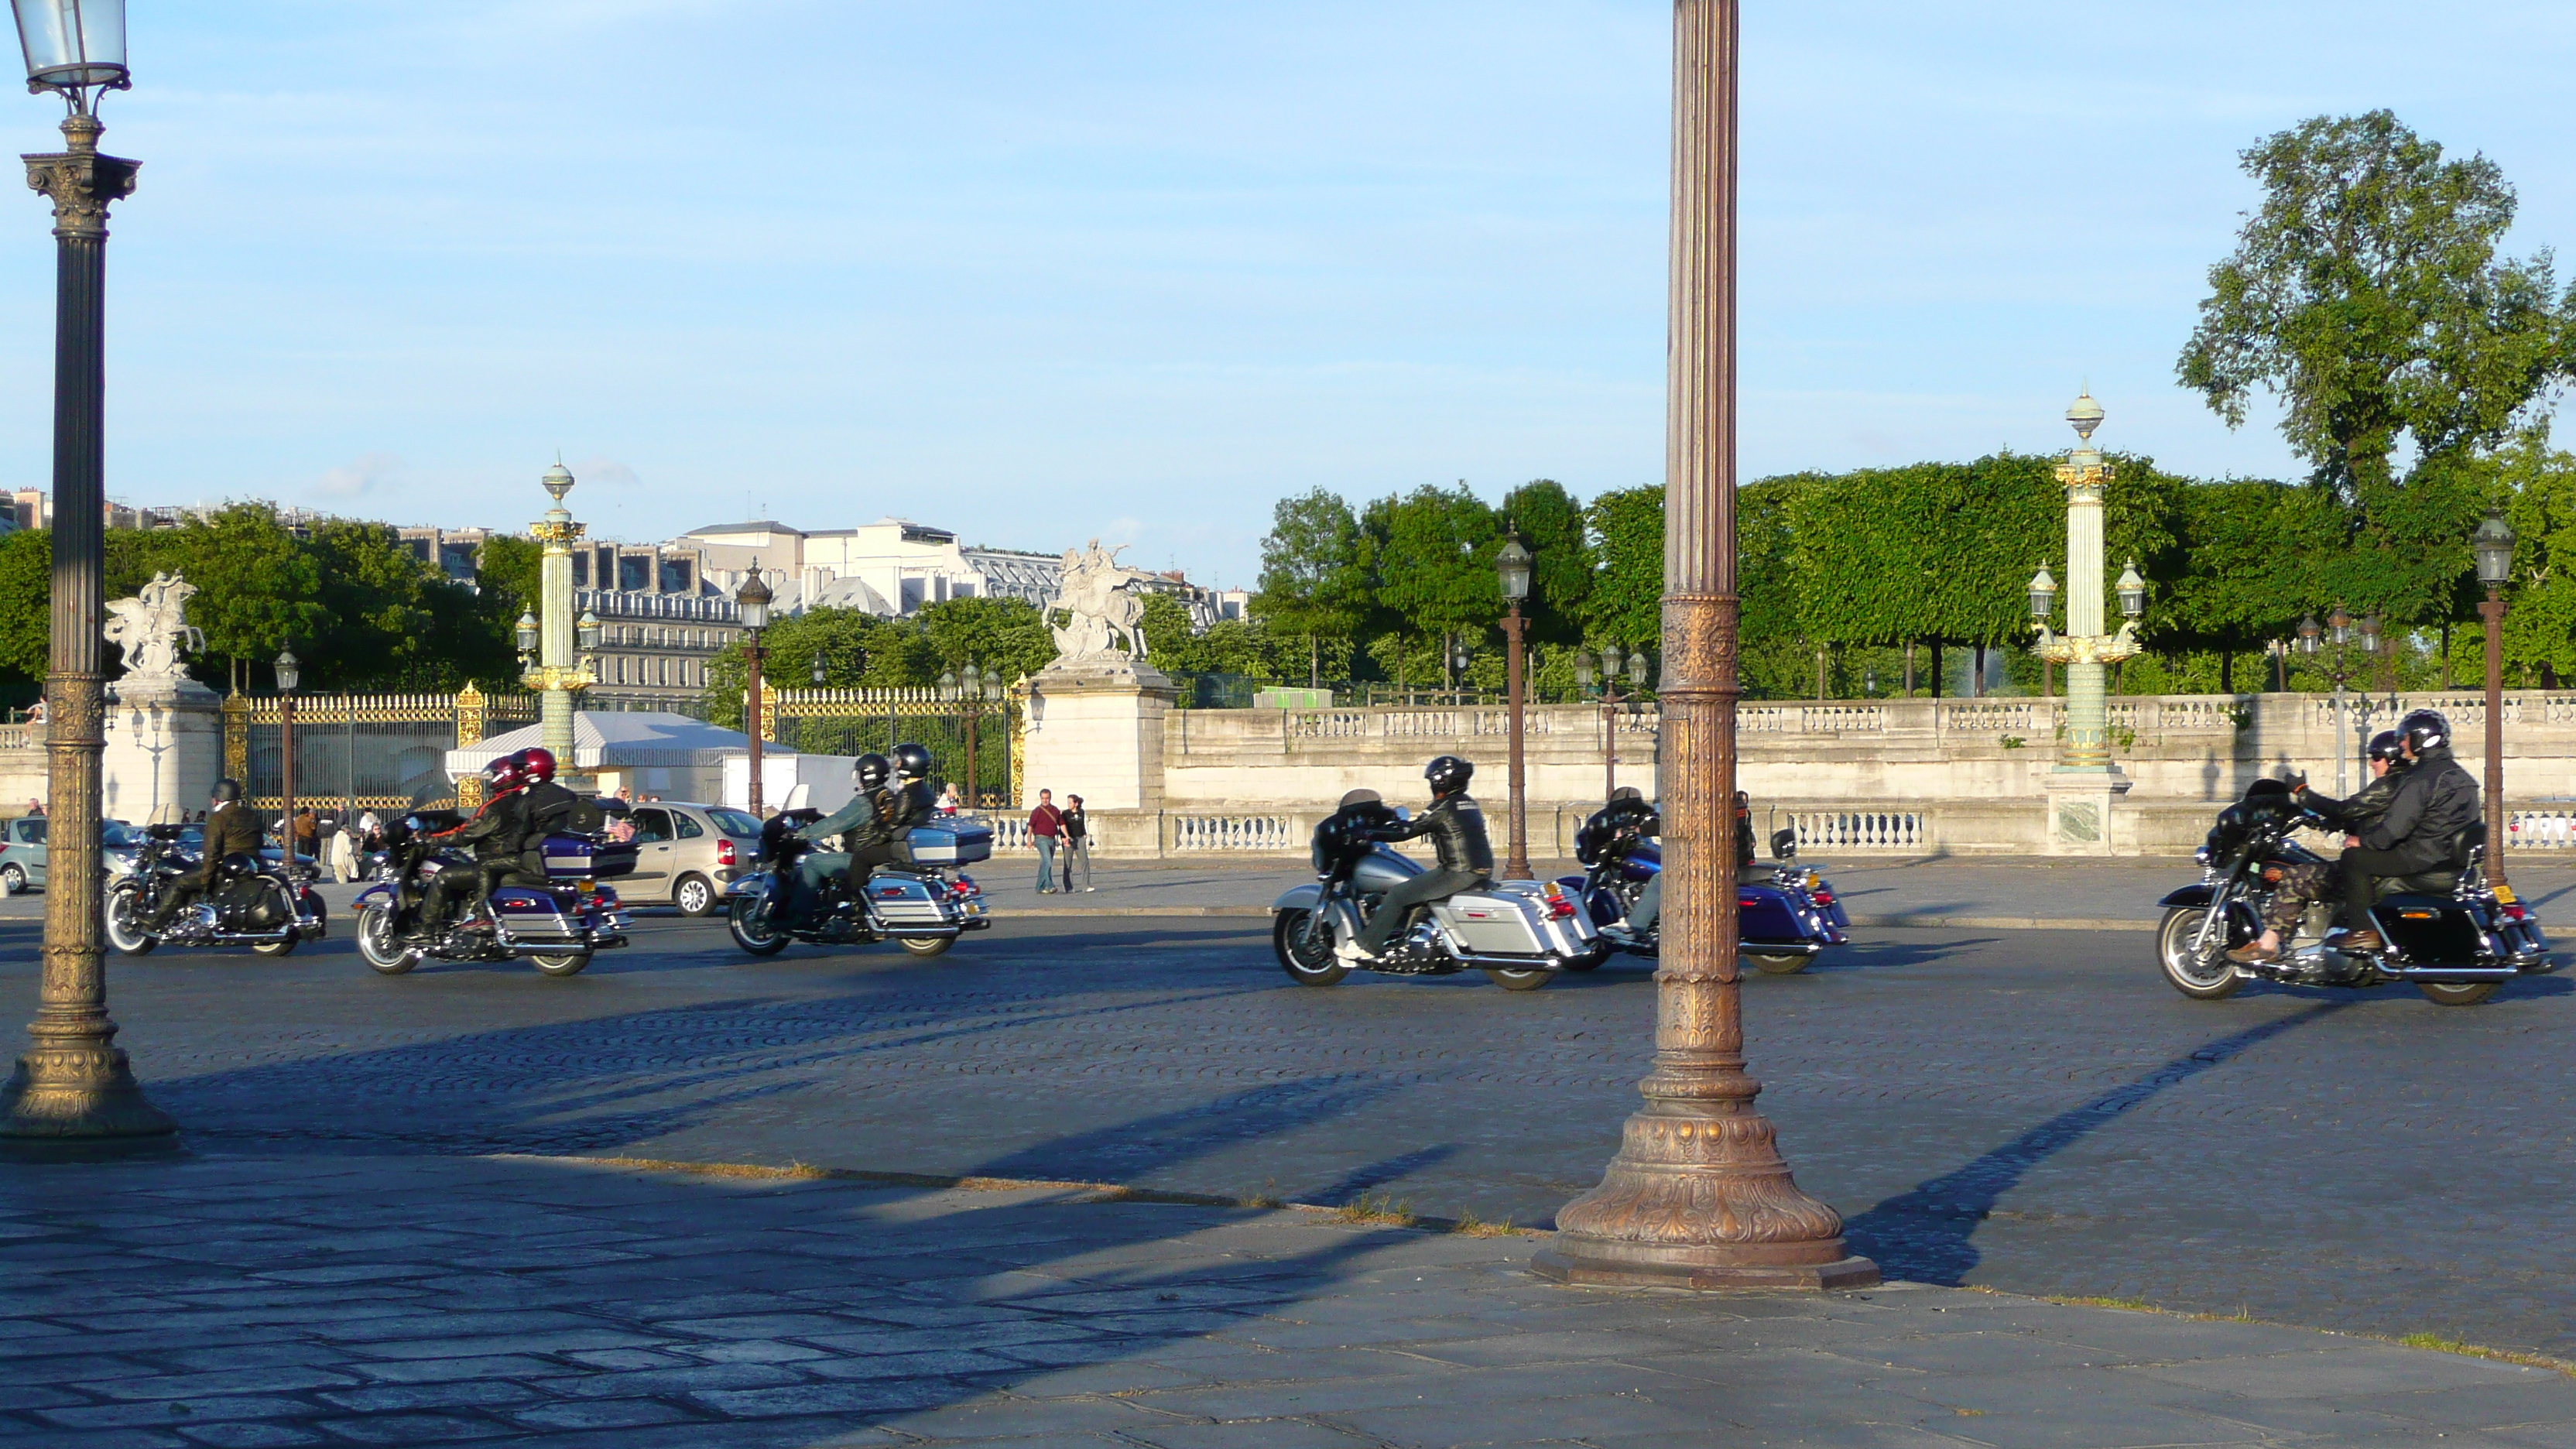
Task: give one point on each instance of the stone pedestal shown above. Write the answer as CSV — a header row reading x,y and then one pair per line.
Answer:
x,y
165,749
1095,729
2082,806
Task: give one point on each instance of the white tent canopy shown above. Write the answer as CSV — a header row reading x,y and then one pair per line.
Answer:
x,y
651,750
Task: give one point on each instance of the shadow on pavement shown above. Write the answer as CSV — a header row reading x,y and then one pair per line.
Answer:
x,y
1926,1235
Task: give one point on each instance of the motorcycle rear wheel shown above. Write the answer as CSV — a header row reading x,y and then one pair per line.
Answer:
x,y
278,948
758,938
376,944
933,946
561,963
124,927
1789,965
1308,961
1512,978
2211,979
2457,993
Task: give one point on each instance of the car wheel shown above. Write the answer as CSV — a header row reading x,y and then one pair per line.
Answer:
x,y
12,880
695,895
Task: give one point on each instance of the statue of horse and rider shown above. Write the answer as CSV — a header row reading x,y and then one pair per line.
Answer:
x,y
1103,610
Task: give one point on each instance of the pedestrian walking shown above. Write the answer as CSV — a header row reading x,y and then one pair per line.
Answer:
x,y
1046,828
949,803
36,808
1077,843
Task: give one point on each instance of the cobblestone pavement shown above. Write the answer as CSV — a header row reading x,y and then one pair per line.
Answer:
x,y
2033,1111
325,1299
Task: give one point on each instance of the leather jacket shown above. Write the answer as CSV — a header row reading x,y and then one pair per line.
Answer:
x,y
2360,811
1456,825
493,832
543,810
2432,805
230,830
855,822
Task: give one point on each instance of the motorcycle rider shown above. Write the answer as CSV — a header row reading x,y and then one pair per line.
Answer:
x,y
861,826
1629,814
493,832
1456,825
545,808
2419,831
229,830
2298,882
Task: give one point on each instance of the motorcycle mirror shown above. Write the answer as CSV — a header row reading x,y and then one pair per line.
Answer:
x,y
1784,842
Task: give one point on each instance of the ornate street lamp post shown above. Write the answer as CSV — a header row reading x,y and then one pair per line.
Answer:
x,y
1603,686
555,673
74,1085
2085,783
968,692
2339,631
2493,543
1699,1195
752,599
2043,608
1513,567
289,674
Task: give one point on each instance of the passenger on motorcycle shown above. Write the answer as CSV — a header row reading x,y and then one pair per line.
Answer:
x,y
1456,825
493,833
229,830
2297,882
545,808
2419,832
914,801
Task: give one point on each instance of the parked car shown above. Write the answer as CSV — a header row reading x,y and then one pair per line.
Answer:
x,y
685,855
22,851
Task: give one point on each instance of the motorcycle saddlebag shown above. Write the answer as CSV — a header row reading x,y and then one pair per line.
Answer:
x,y
960,843
1764,914
253,904
902,899
582,857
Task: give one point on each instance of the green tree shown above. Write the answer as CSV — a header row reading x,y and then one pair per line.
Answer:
x,y
1551,526
507,569
1435,561
1314,574
1004,634
2365,292
1626,602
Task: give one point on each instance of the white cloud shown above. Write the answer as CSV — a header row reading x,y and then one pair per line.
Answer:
x,y
598,468
355,479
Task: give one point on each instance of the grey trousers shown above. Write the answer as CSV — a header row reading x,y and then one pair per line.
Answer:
x,y
1433,885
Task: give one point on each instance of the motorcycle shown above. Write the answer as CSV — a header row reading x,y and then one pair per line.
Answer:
x,y
923,907
556,926
1519,932
2447,931
1783,924
256,901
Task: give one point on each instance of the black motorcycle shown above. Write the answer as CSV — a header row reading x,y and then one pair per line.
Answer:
x,y
922,907
2447,931
555,926
256,901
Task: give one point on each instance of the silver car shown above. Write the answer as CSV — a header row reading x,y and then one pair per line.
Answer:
x,y
685,854
22,855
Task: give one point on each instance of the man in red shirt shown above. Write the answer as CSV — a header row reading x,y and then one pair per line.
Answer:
x,y
1046,827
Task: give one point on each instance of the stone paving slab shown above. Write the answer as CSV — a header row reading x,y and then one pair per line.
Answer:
x,y
1082,1320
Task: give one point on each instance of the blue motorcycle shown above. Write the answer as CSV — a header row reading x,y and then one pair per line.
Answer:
x,y
555,927
1784,923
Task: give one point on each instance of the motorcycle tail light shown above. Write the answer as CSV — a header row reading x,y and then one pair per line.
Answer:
x,y
1824,897
2513,911
724,852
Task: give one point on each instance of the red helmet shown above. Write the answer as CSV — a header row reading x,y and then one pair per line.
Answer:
x,y
538,764
502,776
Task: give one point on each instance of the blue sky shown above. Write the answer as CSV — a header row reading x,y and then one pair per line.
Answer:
x,y
1038,272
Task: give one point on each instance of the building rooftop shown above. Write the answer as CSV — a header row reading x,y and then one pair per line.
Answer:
x,y
758,525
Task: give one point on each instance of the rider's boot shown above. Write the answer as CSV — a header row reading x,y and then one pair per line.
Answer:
x,y
1348,949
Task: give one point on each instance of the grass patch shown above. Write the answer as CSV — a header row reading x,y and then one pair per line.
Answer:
x,y
2127,1305
2436,1343
1376,1209
1475,1227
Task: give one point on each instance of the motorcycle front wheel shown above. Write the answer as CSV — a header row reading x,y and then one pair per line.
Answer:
x,y
1788,965
1306,955
2208,977
926,946
376,943
757,937
125,923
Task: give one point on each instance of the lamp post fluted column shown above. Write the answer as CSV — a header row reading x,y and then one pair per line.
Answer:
x,y
556,677
1512,568
2493,546
1699,1195
2084,788
74,1085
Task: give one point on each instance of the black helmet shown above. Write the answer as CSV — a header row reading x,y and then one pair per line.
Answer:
x,y
2383,746
228,791
2425,730
1448,774
913,762
870,770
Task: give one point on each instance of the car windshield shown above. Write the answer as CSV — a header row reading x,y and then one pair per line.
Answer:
x,y
734,822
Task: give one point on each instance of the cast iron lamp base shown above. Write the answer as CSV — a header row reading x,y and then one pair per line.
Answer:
x,y
78,1097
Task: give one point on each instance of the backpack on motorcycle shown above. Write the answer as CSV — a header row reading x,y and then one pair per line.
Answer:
x,y
252,903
